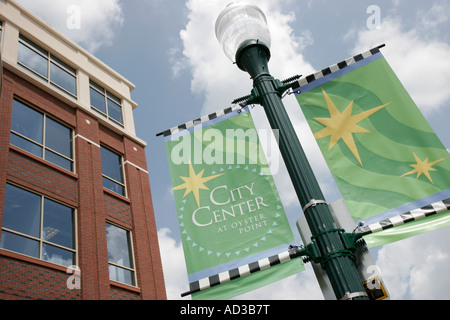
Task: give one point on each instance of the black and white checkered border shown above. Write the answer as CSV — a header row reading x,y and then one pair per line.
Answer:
x,y
426,211
336,67
198,121
240,272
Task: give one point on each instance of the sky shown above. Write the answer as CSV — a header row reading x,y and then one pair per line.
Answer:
x,y
169,51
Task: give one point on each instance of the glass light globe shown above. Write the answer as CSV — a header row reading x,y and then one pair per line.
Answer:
x,y
240,22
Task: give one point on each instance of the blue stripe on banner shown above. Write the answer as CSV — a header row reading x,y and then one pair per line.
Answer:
x,y
408,207
339,73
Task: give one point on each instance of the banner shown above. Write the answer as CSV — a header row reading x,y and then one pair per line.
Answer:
x,y
229,211
383,154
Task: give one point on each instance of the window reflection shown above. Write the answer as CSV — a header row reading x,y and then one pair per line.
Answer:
x,y
33,60
13,242
25,144
22,211
112,171
120,260
48,67
121,275
115,111
38,227
63,79
106,103
111,164
28,128
98,101
27,121
57,255
57,137
58,224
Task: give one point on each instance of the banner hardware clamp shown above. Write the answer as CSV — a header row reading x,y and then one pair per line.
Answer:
x,y
313,203
280,88
350,296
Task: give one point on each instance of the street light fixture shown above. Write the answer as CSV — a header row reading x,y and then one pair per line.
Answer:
x,y
240,26
245,38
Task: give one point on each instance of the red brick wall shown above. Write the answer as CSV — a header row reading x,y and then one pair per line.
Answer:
x,y
24,280
117,210
23,277
41,176
145,235
91,214
121,294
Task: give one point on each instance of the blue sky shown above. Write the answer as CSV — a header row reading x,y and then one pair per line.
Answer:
x,y
169,51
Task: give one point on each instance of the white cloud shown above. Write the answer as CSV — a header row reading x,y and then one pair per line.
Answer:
x,y
417,267
420,62
91,23
436,15
213,75
172,257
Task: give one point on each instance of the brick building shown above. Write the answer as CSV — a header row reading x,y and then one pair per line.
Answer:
x,y
76,212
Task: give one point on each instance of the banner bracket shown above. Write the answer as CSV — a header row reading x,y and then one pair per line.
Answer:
x,y
350,296
280,88
313,203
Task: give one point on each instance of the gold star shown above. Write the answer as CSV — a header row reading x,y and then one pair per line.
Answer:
x,y
423,167
194,183
343,125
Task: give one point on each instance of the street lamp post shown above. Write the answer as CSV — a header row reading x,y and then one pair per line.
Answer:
x,y
243,33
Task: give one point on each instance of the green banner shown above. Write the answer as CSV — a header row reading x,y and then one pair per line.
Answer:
x,y
383,154
409,229
228,207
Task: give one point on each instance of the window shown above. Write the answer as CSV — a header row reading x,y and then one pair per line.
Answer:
x,y
42,136
112,171
1,28
38,227
120,255
106,103
47,66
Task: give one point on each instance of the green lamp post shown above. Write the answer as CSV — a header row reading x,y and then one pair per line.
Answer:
x,y
245,38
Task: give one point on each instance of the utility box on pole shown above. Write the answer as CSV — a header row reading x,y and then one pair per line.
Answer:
x,y
365,265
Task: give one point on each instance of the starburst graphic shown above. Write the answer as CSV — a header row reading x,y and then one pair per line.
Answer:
x,y
194,183
423,167
343,125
